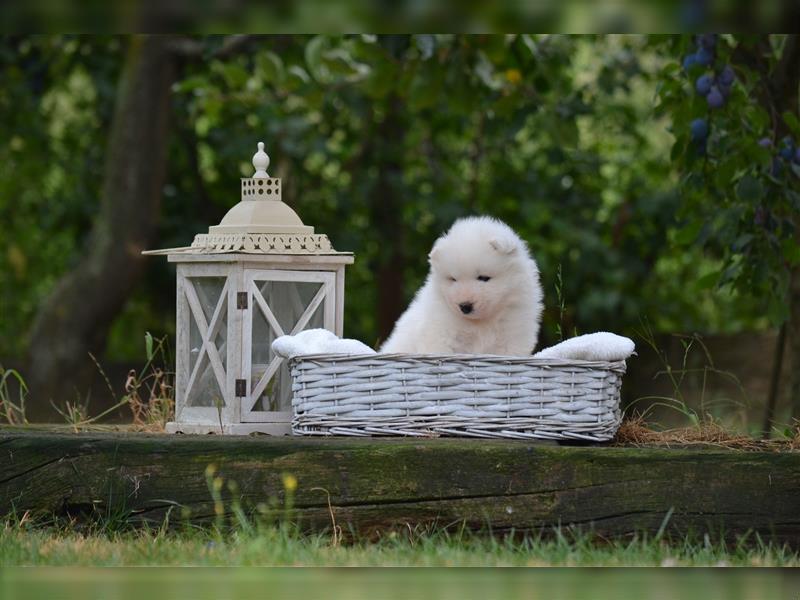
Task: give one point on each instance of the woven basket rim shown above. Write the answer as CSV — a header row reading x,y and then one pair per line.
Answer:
x,y
484,358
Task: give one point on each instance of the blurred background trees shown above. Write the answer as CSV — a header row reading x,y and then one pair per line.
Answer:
x,y
587,145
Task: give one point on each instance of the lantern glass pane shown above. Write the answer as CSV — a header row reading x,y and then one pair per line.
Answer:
x,y
208,291
287,302
205,390
206,385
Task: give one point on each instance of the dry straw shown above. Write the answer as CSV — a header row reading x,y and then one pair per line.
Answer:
x,y
635,432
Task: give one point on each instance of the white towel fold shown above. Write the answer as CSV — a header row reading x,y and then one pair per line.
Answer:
x,y
602,346
317,341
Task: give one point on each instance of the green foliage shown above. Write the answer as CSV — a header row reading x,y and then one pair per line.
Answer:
x,y
739,197
382,141
12,411
56,99
542,132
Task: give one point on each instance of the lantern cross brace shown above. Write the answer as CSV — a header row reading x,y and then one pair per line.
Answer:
x,y
208,332
273,322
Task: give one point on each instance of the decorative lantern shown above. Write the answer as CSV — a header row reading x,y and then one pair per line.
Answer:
x,y
259,274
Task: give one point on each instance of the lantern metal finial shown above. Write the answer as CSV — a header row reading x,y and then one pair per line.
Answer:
x,y
260,162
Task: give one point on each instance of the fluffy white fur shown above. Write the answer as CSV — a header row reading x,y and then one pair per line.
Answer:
x,y
505,311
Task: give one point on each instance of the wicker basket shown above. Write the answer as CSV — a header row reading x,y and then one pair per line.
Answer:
x,y
457,395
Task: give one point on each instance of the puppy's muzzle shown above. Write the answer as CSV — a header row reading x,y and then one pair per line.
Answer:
x,y
466,307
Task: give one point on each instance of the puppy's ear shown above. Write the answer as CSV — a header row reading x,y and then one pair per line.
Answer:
x,y
503,245
435,250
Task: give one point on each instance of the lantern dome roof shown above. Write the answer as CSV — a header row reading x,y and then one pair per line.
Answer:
x,y
261,223
261,209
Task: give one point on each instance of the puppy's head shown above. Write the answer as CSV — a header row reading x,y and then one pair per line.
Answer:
x,y
475,266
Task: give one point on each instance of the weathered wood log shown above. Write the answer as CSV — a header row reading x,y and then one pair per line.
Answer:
x,y
387,483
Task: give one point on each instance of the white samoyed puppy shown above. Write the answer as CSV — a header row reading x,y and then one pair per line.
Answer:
x,y
482,295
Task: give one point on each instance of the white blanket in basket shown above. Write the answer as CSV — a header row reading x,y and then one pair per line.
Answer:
x,y
592,346
603,346
317,341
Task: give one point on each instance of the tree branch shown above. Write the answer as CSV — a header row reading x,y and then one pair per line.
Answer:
x,y
781,90
188,138
785,80
786,71
193,49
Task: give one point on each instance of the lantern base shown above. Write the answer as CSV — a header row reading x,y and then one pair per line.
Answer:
x,y
276,429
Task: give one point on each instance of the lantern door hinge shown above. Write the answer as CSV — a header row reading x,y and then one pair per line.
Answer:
x,y
241,388
241,300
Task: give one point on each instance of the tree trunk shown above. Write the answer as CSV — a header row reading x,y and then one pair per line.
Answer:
x,y
386,210
774,383
786,89
781,94
794,342
387,217
75,318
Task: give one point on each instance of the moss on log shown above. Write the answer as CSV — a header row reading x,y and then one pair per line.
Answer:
x,y
374,484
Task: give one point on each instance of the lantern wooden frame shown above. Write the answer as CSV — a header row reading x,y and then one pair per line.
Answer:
x,y
242,299
227,379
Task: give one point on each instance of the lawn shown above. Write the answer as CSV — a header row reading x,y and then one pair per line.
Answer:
x,y
282,546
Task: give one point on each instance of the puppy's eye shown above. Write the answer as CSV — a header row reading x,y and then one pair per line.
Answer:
x,y
483,278
451,278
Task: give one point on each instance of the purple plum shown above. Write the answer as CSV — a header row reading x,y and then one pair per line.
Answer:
x,y
699,130
703,84
726,76
689,61
707,40
704,57
787,149
714,98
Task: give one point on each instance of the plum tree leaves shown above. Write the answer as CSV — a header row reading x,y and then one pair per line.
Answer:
x,y
740,175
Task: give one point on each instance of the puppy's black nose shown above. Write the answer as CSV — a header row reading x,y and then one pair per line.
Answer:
x,y
466,307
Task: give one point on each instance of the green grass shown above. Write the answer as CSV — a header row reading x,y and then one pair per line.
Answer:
x,y
282,546
391,584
